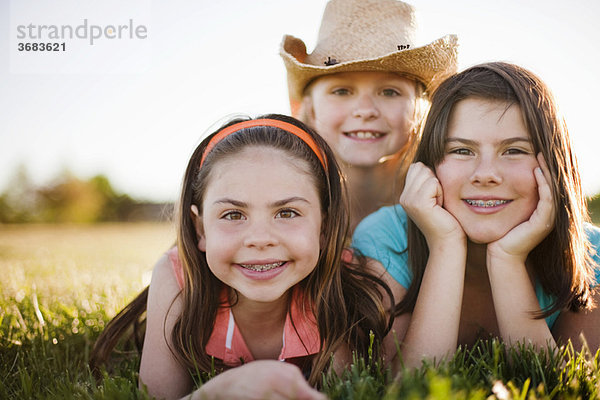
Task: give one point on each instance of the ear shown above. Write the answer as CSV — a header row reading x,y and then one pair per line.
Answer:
x,y
199,228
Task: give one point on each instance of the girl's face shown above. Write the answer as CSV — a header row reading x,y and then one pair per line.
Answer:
x,y
363,116
261,223
487,171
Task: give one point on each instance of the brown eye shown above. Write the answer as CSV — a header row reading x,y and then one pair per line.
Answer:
x,y
390,92
233,216
341,92
287,213
515,151
461,151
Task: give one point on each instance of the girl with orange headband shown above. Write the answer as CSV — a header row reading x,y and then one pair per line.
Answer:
x,y
258,273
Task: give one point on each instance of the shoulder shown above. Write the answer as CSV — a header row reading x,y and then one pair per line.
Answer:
x,y
167,264
593,233
382,236
386,218
175,264
387,227
164,286
593,236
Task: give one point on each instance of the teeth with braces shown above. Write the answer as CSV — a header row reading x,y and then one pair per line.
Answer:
x,y
262,267
486,203
365,135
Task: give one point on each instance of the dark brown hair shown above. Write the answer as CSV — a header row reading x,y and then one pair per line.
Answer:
x,y
561,262
346,300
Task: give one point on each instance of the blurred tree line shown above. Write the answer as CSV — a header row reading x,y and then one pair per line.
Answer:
x,y
69,199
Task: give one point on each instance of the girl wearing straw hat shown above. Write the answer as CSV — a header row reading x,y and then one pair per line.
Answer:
x,y
365,89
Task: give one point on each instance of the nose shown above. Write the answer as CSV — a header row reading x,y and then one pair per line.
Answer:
x,y
486,172
260,235
365,107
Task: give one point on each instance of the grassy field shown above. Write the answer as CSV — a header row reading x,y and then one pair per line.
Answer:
x,y
59,285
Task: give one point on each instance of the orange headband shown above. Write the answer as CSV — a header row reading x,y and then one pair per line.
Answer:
x,y
286,126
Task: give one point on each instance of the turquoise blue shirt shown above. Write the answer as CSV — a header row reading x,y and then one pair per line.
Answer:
x,y
382,237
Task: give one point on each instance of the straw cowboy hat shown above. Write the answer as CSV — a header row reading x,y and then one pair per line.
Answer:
x,y
367,35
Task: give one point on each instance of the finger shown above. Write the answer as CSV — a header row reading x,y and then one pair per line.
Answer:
x,y
543,183
545,207
544,190
431,189
420,176
412,171
439,195
544,165
309,393
417,174
295,386
306,392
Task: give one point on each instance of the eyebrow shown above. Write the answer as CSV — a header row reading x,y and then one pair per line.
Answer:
x,y
503,142
277,203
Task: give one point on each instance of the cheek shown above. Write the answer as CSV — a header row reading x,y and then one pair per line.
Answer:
x,y
328,116
401,114
309,240
326,110
329,127
526,186
218,239
448,176
451,178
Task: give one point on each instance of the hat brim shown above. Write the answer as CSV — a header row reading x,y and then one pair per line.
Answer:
x,y
429,64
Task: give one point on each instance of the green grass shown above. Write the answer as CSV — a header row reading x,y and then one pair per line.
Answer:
x,y
60,285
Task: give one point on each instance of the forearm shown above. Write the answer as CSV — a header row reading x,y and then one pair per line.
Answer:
x,y
433,329
580,327
515,303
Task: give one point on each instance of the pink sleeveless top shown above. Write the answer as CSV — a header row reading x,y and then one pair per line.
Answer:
x,y
227,343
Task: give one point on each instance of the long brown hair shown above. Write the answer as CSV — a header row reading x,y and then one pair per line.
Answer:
x,y
561,262
346,300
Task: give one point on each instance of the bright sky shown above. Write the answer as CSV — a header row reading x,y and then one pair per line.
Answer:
x,y
135,109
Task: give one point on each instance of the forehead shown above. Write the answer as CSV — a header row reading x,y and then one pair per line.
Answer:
x,y
375,77
259,154
478,115
260,166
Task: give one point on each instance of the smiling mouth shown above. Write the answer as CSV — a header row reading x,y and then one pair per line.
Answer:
x,y
262,267
486,203
364,134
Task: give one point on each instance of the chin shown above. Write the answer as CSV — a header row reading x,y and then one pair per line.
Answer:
x,y
262,296
485,237
480,241
361,162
